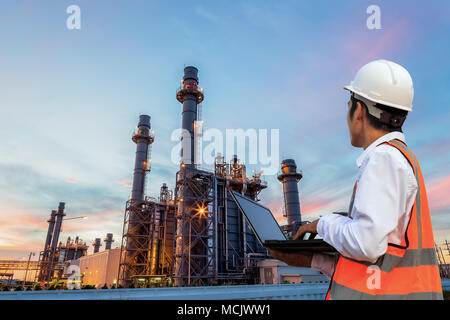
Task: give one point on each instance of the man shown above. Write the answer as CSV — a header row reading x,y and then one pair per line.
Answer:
x,y
385,244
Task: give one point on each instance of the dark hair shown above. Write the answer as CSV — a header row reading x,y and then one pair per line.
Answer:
x,y
389,113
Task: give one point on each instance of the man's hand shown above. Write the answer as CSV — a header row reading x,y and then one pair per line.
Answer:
x,y
309,227
293,258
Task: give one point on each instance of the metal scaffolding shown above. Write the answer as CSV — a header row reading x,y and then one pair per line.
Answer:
x,y
194,254
147,241
214,242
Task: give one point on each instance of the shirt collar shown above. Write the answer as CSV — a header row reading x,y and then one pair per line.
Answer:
x,y
389,136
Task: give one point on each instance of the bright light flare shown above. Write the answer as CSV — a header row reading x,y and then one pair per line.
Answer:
x,y
201,210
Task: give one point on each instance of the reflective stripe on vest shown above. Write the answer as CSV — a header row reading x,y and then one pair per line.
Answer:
x,y
406,271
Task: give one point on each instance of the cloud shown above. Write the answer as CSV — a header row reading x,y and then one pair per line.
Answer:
x,y
23,224
125,183
73,181
362,48
438,194
25,230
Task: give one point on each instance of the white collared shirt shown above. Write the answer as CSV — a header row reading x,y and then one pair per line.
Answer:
x,y
385,195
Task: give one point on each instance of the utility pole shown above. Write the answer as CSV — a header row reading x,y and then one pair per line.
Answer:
x,y
448,247
28,266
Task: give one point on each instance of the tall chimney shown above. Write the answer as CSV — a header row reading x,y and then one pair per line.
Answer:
x,y
108,241
143,139
97,244
58,224
54,243
289,177
51,227
189,95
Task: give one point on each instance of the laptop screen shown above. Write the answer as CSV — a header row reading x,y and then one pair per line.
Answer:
x,y
260,218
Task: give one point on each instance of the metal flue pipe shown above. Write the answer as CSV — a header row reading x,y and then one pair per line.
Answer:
x,y
143,139
289,177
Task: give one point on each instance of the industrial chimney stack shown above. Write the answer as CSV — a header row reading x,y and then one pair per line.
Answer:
x,y
108,241
58,224
97,244
143,140
51,242
189,95
289,177
48,240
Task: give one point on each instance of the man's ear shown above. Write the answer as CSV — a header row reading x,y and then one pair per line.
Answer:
x,y
359,112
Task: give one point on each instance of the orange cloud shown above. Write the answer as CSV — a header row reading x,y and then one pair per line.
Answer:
x,y
277,209
95,221
125,183
311,205
71,181
14,231
437,192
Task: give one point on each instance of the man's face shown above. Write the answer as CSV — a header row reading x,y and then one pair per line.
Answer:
x,y
354,124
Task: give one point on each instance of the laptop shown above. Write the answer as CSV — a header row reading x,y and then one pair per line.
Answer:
x,y
269,233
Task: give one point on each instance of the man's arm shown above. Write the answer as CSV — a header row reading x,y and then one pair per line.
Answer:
x,y
293,258
324,263
379,201
319,262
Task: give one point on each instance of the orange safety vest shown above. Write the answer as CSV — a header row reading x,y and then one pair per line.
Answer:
x,y
405,271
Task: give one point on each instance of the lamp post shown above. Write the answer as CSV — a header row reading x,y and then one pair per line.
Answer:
x,y
80,217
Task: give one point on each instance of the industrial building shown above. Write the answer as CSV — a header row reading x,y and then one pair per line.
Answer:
x,y
195,235
99,268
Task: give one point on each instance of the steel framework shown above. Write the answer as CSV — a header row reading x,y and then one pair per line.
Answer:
x,y
34,267
219,245
147,241
194,254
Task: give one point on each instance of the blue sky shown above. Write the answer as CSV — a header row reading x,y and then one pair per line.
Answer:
x,y
69,99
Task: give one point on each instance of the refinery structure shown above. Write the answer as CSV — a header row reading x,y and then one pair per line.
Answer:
x,y
193,235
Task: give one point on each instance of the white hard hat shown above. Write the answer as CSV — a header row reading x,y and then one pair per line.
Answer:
x,y
384,82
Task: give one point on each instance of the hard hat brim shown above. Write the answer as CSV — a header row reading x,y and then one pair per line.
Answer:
x,y
386,103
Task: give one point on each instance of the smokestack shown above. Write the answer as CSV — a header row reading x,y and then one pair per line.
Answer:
x,y
58,224
97,244
189,95
289,177
108,241
51,227
143,139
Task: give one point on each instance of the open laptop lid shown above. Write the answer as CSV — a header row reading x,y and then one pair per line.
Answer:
x,y
259,218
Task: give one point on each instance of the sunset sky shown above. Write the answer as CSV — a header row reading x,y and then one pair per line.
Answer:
x,y
70,99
